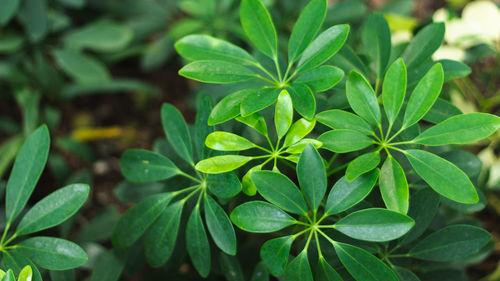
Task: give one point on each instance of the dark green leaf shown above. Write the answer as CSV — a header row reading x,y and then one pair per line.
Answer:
x,y
376,39
229,107
260,273
9,9
259,27
343,141
225,185
177,132
213,71
322,78
197,243
201,127
299,269
258,100
394,90
324,272
312,176
231,268
425,43
109,266
362,164
139,165
393,186
33,15
260,217
303,100
220,226
83,68
274,254
440,111
101,36
405,274
339,119
362,98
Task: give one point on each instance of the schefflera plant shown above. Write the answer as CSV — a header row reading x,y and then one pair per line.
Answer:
x,y
39,251
26,274
159,215
218,61
366,128
304,209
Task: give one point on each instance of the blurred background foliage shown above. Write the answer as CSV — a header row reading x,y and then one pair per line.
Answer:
x,y
96,71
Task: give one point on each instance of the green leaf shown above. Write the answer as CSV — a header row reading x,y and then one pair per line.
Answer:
x,y
299,130
312,176
339,119
376,39
260,273
394,89
440,111
26,171
109,266
343,141
25,274
15,261
100,36
298,147
425,43
362,98
205,47
135,221
54,209
177,132
376,225
33,16
322,78
255,121
283,114
160,241
139,165
213,71
258,100
362,265
231,268
201,127
424,95
323,47
274,254
443,176
362,164
222,164
460,129
259,27
393,186
9,276
229,107
299,269
224,141
9,9
324,272
247,184
307,26
52,253
345,194
405,274
279,190
84,69
303,100
451,243
225,185
220,226
260,217
197,243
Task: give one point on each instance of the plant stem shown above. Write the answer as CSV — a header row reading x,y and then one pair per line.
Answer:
x,y
189,176
278,69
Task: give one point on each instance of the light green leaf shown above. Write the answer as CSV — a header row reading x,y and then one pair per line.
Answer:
x,y
84,69
100,36
362,164
460,129
299,130
197,243
425,43
279,190
343,141
283,114
260,217
258,100
394,89
26,171
9,9
376,39
26,274
444,177
303,100
255,121
54,209
220,226
213,71
225,185
247,184
229,107
312,176
259,27
362,98
299,269
376,225
274,254
298,147
177,132
393,186
222,164
9,276
139,165
322,78
224,141
307,26
339,119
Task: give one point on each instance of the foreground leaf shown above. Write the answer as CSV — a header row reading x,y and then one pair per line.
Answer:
x,y
274,254
340,119
343,141
393,186
362,164
299,269
224,141
322,78
259,27
197,243
213,71
260,217
177,132
425,43
312,176
222,164
220,226
362,98
394,89
376,38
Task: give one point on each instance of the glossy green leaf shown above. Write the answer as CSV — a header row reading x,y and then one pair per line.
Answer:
x,y
160,241
26,274
443,176
9,276
258,100
82,68
283,114
460,129
451,243
362,164
340,119
15,261
138,165
362,98
343,141
259,27
440,111
135,221
177,132
393,186
322,78
312,176
323,47
9,9
229,107
345,194
279,190
303,100
225,185
362,265
54,209
394,89
213,71
197,243
247,184
274,254
255,121
307,26
425,43
222,164
325,272
101,36
376,225
219,226
52,253
376,39
205,47
26,171
424,95
299,130
260,217
299,269
224,141
298,147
